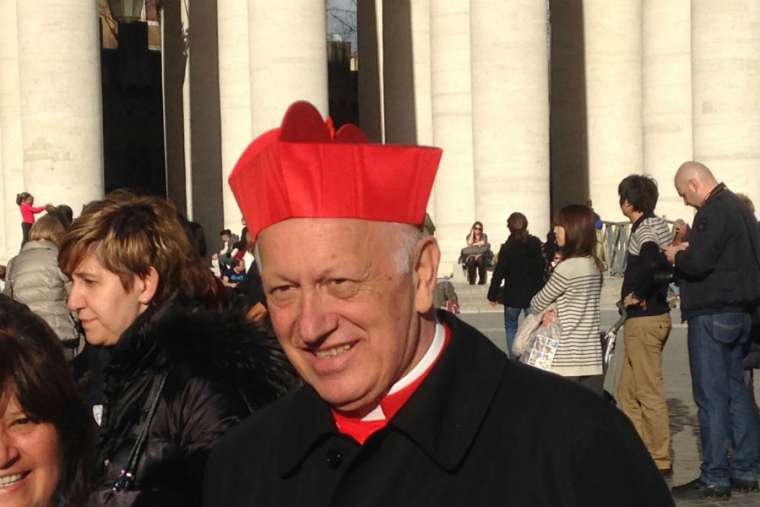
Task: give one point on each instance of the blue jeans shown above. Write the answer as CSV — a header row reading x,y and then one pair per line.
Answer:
x,y
511,316
727,420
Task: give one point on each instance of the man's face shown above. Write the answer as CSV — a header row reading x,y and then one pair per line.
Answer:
x,y
341,310
225,238
687,190
626,208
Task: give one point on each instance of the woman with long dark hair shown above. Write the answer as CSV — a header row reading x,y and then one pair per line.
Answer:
x,y
576,285
477,255
521,267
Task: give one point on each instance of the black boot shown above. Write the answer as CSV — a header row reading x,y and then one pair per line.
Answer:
x,y
481,273
697,490
470,271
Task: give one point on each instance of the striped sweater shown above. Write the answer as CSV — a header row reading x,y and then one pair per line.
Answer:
x,y
576,286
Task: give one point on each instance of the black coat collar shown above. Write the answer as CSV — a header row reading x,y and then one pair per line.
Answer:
x,y
442,417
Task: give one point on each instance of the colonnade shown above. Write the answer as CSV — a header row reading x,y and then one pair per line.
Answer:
x,y
268,58
663,82
669,82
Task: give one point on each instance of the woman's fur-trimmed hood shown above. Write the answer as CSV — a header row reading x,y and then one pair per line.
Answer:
x,y
221,346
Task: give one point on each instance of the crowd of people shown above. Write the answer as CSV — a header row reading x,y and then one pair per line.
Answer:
x,y
712,268
308,364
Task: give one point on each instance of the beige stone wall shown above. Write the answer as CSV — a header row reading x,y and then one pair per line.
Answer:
x,y
667,98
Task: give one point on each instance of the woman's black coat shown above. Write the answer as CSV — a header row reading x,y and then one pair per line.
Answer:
x,y
521,267
218,370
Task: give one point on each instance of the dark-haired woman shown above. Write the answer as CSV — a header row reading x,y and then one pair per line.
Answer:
x,y
521,267
477,255
45,429
176,370
26,206
576,285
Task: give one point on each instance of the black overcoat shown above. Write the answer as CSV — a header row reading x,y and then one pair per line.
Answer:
x,y
479,431
218,369
521,266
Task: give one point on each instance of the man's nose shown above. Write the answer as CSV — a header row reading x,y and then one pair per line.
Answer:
x,y
317,320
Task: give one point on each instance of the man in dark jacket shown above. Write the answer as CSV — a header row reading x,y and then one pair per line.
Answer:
x,y
719,270
640,392
521,269
403,405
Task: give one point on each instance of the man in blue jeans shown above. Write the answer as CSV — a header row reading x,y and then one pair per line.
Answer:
x,y
719,273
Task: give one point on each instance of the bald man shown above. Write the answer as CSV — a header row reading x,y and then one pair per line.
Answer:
x,y
719,273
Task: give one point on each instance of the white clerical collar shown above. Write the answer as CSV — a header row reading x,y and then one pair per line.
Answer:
x,y
433,351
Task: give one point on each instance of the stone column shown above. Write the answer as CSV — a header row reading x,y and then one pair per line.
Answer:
x,y
234,96
10,130
452,125
510,113
726,91
667,97
398,73
370,69
613,93
288,51
61,104
3,198
423,99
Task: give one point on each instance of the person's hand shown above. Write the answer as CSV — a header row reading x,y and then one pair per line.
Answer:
x,y
256,313
631,300
549,317
493,303
671,251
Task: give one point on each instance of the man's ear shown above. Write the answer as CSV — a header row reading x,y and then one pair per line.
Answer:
x,y
425,273
147,286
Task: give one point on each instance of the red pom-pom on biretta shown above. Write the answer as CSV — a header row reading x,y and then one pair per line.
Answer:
x,y
306,170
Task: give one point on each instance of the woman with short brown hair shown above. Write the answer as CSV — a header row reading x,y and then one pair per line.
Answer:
x,y
144,297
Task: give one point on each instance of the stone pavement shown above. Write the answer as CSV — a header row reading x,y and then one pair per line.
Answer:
x,y
683,412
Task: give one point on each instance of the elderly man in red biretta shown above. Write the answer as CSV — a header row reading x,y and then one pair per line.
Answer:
x,y
401,405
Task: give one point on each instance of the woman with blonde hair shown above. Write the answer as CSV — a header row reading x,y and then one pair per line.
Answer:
x,y
170,373
34,278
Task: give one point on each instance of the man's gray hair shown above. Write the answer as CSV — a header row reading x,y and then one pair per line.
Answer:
x,y
406,237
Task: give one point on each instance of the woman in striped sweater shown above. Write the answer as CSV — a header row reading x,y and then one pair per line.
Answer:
x,y
576,285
